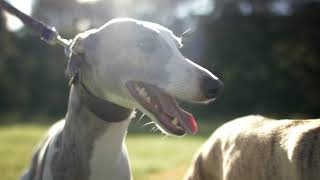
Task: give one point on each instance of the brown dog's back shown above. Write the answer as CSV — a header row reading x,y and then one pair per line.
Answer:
x,y
258,148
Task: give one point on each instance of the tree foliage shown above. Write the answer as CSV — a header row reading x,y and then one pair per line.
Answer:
x,y
31,76
269,63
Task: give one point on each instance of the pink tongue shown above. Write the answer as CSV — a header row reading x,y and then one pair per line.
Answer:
x,y
171,107
193,124
189,123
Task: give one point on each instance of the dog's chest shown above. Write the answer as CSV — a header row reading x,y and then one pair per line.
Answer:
x,y
109,158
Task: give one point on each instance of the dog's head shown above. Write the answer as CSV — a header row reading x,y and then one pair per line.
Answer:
x,y
137,64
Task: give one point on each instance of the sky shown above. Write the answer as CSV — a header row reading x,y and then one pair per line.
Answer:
x,y
193,7
25,6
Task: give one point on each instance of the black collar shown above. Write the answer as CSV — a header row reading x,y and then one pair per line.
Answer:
x,y
103,109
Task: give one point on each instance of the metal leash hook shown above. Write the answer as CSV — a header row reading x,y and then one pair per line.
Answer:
x,y
47,34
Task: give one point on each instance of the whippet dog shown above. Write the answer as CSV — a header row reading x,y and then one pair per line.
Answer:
x,y
259,148
123,65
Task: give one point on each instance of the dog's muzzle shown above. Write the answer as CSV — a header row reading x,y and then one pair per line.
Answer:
x,y
211,87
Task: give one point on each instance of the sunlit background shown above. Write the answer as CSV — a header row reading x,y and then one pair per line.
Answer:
x,y
266,52
25,6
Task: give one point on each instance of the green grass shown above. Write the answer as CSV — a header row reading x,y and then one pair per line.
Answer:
x,y
152,156
16,145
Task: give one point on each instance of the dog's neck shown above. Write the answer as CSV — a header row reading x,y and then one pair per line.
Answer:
x,y
99,144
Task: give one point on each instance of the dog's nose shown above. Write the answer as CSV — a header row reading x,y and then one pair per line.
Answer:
x,y
211,87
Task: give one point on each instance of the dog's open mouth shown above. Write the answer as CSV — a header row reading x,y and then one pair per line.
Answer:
x,y
164,107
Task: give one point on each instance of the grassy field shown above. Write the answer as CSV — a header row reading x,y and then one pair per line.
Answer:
x,y
152,156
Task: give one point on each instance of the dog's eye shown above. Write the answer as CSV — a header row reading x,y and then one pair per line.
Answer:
x,y
148,45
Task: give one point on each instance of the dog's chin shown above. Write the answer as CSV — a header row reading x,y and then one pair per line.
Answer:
x,y
162,109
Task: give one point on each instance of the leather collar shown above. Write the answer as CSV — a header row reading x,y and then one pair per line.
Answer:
x,y
103,109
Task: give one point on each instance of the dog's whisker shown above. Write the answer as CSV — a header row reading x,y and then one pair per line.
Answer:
x,y
185,35
154,129
141,117
149,123
151,130
186,32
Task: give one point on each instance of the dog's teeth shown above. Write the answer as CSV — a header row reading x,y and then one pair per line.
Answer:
x,y
142,92
175,122
148,99
138,88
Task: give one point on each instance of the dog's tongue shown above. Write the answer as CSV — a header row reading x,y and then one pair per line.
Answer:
x,y
193,124
188,122
171,107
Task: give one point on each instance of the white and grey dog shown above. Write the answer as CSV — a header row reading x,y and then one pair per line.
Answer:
x,y
123,65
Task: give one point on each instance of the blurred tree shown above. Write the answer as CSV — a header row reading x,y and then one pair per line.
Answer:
x,y
7,51
269,62
31,75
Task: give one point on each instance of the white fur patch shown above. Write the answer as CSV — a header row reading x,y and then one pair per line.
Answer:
x,y
109,157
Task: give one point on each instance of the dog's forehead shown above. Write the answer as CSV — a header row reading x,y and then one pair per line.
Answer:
x,y
164,32
141,28
154,27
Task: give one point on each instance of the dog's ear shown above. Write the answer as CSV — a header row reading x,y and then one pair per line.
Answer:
x,y
76,54
73,67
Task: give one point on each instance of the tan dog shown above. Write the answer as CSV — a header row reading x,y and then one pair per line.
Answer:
x,y
258,148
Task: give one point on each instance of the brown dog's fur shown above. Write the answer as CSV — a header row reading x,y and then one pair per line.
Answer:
x,y
258,148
